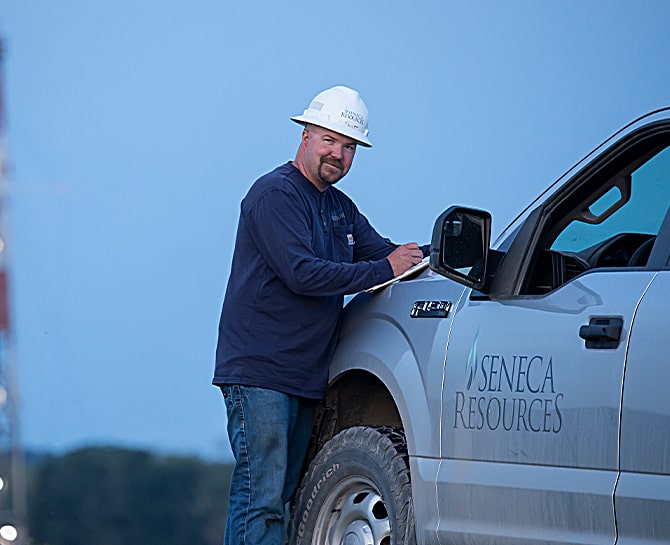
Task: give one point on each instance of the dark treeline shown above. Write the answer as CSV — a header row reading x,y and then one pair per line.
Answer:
x,y
114,496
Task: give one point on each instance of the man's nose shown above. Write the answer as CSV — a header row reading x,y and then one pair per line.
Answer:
x,y
337,151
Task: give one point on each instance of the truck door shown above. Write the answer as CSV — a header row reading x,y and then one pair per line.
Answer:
x,y
642,500
534,370
530,433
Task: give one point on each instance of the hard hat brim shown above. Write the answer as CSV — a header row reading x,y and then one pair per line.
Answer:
x,y
335,127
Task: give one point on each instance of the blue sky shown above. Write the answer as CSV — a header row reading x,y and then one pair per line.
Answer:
x,y
135,128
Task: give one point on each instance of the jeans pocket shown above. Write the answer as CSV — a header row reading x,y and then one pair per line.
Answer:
x,y
233,398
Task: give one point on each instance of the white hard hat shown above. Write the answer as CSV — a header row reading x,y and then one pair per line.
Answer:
x,y
341,110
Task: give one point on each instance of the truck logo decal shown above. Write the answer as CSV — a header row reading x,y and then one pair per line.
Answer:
x,y
509,392
471,363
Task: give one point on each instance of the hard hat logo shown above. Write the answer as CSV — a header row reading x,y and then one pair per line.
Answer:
x,y
339,109
359,119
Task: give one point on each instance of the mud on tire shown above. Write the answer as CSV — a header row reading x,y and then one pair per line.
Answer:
x,y
356,492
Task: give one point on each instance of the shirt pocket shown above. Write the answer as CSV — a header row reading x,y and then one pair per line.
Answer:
x,y
343,242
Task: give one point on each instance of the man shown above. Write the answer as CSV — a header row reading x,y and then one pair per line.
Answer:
x,y
301,246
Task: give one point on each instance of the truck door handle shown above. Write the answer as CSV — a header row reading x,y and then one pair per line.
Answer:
x,y
602,332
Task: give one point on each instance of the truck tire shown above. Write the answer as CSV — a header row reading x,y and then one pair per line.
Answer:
x,y
357,491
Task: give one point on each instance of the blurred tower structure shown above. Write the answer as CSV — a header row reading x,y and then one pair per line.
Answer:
x,y
13,527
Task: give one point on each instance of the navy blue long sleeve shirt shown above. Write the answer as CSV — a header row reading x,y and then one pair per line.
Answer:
x,y
298,252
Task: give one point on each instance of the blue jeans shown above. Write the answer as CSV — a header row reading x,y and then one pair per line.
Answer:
x,y
269,433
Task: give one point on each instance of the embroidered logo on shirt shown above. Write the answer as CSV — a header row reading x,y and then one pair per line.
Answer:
x,y
350,239
337,215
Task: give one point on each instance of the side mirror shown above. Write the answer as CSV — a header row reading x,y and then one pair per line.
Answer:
x,y
460,245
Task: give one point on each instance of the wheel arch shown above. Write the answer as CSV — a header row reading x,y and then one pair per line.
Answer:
x,y
377,384
356,398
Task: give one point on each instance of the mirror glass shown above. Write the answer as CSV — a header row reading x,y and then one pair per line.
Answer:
x,y
463,245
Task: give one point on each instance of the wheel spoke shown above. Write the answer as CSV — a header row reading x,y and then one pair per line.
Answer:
x,y
356,515
367,505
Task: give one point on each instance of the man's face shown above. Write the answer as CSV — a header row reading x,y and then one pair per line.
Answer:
x,y
328,155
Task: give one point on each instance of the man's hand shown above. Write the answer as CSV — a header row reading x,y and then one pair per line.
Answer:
x,y
404,257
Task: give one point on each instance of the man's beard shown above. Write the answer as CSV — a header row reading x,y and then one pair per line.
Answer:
x,y
328,176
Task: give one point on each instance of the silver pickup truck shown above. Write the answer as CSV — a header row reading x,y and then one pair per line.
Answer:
x,y
515,392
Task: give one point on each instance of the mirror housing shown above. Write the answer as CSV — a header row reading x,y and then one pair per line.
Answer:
x,y
459,247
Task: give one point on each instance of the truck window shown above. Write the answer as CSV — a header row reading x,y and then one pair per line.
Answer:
x,y
643,214
604,223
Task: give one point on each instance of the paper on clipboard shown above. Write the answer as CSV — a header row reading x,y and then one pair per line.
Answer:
x,y
412,271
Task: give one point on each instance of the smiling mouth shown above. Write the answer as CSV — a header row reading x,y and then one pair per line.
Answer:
x,y
333,164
